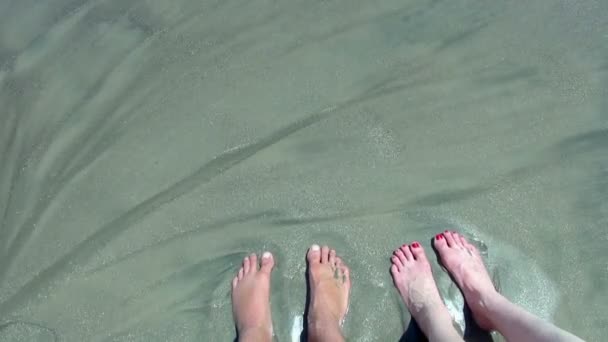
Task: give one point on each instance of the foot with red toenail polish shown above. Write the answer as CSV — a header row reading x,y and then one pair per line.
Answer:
x,y
412,276
465,264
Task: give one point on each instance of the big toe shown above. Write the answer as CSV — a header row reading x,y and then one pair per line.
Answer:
x,y
314,254
267,262
440,242
418,252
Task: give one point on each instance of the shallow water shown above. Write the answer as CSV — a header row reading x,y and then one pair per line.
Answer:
x,y
147,146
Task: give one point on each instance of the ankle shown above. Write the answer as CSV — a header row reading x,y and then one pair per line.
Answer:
x,y
321,326
444,333
435,322
481,299
490,299
488,304
254,335
325,331
315,324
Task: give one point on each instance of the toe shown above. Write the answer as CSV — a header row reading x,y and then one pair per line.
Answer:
x,y
402,258
463,241
440,242
332,256
457,239
267,262
235,281
324,254
394,271
346,274
339,262
314,254
406,251
396,262
246,265
241,273
449,238
253,263
418,251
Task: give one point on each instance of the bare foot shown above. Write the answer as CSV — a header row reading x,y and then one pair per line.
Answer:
x,y
329,282
251,299
465,264
413,279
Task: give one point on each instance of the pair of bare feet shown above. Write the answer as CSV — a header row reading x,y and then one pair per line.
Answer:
x,y
413,279
329,282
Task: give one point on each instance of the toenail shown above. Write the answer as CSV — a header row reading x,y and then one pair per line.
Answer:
x,y
266,255
439,237
315,247
415,245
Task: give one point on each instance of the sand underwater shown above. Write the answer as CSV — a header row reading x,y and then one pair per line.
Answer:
x,y
147,146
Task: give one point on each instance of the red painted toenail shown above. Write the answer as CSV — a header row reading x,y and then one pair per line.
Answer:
x,y
415,245
439,237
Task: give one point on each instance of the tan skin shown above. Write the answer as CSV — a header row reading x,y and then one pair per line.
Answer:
x,y
329,281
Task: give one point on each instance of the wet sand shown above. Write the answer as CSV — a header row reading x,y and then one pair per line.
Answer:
x,y
147,146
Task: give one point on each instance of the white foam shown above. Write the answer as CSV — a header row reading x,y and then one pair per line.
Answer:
x,y
297,326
